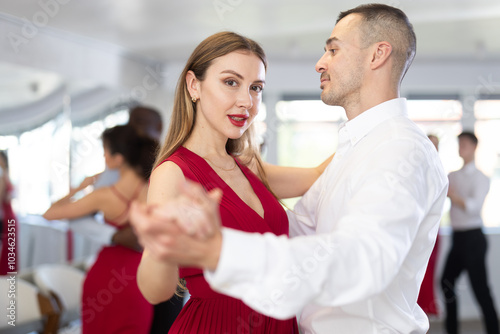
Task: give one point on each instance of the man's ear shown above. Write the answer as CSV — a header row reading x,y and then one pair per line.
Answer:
x,y
193,85
119,158
381,54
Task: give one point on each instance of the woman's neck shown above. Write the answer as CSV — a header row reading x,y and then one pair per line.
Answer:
x,y
127,174
212,148
207,144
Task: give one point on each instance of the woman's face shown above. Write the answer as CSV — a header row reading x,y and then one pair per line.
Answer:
x,y
229,98
112,161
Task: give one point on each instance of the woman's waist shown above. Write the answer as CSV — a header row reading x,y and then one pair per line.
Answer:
x,y
199,288
119,250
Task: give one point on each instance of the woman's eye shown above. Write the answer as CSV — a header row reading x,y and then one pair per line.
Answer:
x,y
231,83
258,89
332,51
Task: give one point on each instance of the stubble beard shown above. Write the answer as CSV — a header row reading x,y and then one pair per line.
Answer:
x,y
347,93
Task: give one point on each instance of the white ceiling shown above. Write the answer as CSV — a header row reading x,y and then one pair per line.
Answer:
x,y
166,30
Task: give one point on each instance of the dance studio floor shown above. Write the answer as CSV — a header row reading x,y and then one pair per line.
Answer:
x,y
466,327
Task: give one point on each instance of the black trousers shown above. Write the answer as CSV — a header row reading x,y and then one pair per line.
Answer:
x,y
165,314
468,252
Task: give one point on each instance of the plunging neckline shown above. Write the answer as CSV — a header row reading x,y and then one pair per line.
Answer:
x,y
243,170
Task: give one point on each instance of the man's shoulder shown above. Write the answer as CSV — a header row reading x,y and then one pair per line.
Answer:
x,y
400,131
481,176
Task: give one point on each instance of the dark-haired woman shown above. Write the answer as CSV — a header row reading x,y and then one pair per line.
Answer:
x,y
111,300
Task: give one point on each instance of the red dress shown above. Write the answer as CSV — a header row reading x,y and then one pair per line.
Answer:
x,y
427,298
111,300
208,311
9,233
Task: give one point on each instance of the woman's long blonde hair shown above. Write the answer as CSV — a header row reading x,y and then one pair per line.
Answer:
x,y
184,111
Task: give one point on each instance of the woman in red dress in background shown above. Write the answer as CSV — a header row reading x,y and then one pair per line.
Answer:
x,y
9,226
111,300
210,142
427,297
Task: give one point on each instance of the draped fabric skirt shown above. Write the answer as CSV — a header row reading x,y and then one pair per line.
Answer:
x,y
208,312
111,300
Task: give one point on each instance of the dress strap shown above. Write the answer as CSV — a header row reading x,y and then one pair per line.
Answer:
x,y
127,201
119,195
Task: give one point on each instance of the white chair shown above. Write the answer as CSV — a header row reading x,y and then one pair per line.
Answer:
x,y
65,283
30,307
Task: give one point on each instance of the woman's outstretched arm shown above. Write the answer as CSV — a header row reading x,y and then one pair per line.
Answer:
x,y
65,208
287,182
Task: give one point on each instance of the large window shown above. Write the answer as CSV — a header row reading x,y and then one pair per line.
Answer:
x,y
487,129
307,134
44,162
38,165
86,146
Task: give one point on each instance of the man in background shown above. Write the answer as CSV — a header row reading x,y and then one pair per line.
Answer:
x,y
467,191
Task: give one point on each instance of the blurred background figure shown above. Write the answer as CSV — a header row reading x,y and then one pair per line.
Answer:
x,y
467,190
125,310
8,221
427,296
435,140
147,122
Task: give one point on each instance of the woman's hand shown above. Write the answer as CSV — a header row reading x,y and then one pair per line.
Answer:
x,y
185,230
88,181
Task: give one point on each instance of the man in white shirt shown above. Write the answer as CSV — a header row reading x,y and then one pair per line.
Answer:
x,y
467,191
363,233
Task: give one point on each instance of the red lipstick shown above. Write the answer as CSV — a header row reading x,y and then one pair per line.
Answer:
x,y
238,120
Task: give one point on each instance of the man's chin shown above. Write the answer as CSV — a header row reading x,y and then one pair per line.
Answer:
x,y
328,100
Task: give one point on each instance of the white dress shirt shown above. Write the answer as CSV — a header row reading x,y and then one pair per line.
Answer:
x,y
473,186
362,235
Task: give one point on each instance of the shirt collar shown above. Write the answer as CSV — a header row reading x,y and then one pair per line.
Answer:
x,y
470,167
362,124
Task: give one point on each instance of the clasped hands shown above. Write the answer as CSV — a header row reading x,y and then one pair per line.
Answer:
x,y
185,230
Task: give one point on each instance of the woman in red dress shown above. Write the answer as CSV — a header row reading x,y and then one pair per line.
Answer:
x,y
111,300
8,221
210,142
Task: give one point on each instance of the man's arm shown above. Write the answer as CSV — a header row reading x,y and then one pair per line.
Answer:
x,y
473,203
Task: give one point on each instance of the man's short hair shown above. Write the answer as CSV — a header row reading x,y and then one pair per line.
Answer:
x,y
469,135
385,23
